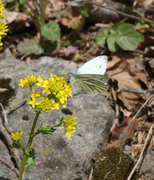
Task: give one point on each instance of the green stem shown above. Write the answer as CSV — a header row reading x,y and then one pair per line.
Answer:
x,y
35,17
82,23
28,147
42,9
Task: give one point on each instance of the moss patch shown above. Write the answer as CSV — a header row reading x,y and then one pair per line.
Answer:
x,y
113,164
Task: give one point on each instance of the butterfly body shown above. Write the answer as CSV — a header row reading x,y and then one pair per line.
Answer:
x,y
90,76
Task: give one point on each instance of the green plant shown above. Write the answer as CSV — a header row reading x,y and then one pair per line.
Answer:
x,y
49,32
120,35
54,93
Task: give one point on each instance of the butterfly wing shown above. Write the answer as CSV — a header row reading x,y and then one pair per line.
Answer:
x,y
102,78
93,84
97,65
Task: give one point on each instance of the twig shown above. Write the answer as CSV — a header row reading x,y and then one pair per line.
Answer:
x,y
142,107
5,132
140,158
10,166
24,56
140,91
20,102
124,14
91,173
6,124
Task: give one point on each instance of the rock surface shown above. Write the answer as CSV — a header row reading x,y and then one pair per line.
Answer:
x,y
57,157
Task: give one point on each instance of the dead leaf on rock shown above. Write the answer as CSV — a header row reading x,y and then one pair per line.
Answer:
x,y
130,74
3,90
123,132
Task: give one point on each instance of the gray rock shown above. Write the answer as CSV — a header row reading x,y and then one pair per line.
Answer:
x,y
58,157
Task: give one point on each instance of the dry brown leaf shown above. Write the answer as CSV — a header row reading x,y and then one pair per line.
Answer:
x,y
21,17
3,90
64,21
130,74
140,136
136,152
144,3
57,5
150,108
10,16
123,132
74,22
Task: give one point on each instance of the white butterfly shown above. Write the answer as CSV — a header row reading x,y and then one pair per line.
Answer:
x,y
90,76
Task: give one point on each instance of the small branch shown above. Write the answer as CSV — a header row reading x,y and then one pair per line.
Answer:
x,y
34,16
42,10
91,174
124,14
20,102
150,131
4,130
140,158
142,106
15,170
140,91
6,124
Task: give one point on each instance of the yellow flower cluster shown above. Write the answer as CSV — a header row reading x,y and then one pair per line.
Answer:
x,y
3,26
17,136
28,82
69,123
55,93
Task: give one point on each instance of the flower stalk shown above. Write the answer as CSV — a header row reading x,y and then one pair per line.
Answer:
x,y
55,92
25,156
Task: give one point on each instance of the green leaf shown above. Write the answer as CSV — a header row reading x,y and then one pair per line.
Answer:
x,y
16,145
30,159
31,46
100,39
51,31
111,41
106,31
37,110
114,29
49,46
22,1
125,28
129,41
130,11
83,11
28,99
47,130
125,36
